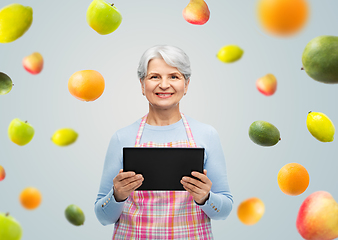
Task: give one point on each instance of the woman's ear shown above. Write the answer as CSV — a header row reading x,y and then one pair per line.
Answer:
x,y
186,86
142,86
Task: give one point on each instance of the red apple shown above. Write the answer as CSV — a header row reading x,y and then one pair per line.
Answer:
x,y
196,12
2,173
267,84
33,63
318,217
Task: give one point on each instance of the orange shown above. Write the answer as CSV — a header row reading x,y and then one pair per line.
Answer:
x,y
283,17
86,85
30,198
293,179
250,211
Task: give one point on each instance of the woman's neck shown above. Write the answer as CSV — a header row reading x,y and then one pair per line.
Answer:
x,y
163,117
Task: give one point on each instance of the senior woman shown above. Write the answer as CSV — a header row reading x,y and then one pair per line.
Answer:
x,y
164,73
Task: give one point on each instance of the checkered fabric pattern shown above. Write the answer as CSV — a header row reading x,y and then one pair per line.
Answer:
x,y
162,214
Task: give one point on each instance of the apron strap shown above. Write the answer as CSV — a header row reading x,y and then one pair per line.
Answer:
x,y
140,130
185,122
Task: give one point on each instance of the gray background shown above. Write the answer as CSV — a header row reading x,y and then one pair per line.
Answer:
x,y
221,95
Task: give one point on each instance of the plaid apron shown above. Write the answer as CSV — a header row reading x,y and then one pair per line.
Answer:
x,y
162,214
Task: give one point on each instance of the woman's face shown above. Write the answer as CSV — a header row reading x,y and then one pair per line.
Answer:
x,y
164,85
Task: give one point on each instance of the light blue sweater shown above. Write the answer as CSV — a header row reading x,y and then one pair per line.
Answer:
x,y
219,204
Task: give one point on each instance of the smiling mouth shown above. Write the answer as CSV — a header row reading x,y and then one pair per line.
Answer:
x,y
164,94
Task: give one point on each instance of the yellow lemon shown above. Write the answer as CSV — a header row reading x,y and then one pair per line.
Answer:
x,y
15,20
320,126
230,53
64,137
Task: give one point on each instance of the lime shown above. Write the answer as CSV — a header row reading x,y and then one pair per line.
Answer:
x,y
229,53
75,215
5,84
264,133
320,126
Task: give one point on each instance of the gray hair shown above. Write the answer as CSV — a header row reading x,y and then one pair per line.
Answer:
x,y
173,56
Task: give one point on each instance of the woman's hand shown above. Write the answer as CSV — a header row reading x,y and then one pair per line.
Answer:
x,y
125,183
199,190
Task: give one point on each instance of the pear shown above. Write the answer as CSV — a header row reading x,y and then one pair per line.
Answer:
x,y
318,217
103,17
320,59
15,20
196,12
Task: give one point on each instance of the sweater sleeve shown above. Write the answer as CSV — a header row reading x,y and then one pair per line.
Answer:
x,y
220,202
107,210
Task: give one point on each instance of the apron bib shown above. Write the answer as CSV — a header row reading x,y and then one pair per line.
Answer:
x,y
162,214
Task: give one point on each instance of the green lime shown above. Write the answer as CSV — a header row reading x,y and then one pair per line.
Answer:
x,y
74,215
5,84
264,133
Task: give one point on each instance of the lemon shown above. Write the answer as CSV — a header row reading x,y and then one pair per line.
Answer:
x,y
320,126
15,20
230,53
64,137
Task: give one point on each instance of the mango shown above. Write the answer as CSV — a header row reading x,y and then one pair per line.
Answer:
x,y
320,59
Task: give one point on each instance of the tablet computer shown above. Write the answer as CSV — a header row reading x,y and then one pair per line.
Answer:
x,y
163,167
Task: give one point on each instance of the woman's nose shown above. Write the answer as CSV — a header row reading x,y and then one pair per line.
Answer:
x,y
164,84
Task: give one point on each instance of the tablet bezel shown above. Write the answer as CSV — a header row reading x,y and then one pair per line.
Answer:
x,y
163,167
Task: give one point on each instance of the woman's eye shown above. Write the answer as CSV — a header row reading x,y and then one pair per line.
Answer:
x,y
174,77
153,77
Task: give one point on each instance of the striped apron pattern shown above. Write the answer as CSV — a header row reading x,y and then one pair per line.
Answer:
x,y
162,214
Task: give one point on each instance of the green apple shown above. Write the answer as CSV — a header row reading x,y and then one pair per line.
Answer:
x,y
103,17
5,83
20,132
10,229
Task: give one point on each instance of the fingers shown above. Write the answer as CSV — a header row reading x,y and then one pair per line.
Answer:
x,y
191,188
133,185
192,181
131,180
202,177
123,175
127,181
